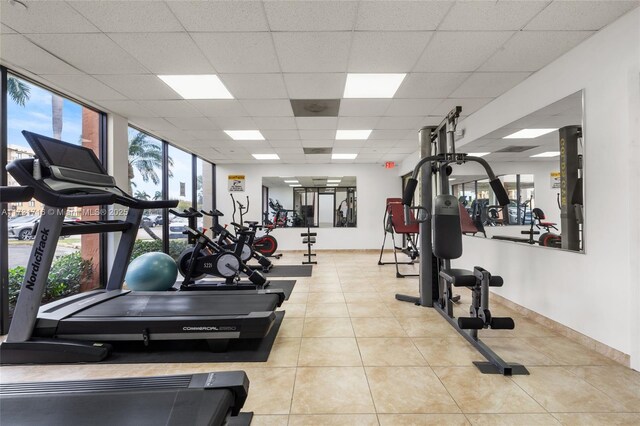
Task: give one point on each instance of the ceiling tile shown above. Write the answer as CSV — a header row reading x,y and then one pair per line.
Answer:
x,y
412,107
223,50
344,144
220,15
284,143
127,109
6,30
276,123
92,53
390,134
317,134
492,84
363,107
472,49
210,136
268,107
409,123
128,16
19,51
430,85
38,18
283,134
311,16
219,107
255,86
192,123
579,15
313,52
400,15
139,86
358,123
386,51
317,123
315,85
384,144
469,106
532,50
235,123
491,15
166,108
84,87
151,123
164,53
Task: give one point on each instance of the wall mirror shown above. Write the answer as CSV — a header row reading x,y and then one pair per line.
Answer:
x,y
540,160
314,201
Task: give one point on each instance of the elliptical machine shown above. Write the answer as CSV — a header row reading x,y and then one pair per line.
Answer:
x,y
266,244
207,257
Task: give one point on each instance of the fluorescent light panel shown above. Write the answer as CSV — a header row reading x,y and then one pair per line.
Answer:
x,y
245,135
266,156
546,154
372,85
334,180
295,185
291,181
352,134
332,184
343,156
200,86
478,154
529,133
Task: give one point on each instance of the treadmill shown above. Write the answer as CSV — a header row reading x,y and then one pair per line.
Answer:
x,y
73,329
205,399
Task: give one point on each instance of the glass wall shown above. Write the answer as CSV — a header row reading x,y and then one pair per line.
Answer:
x,y
76,267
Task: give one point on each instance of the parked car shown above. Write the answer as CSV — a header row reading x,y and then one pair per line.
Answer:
x,y
157,219
20,227
177,227
147,221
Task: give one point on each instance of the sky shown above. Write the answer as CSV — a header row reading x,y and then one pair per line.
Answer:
x,y
35,117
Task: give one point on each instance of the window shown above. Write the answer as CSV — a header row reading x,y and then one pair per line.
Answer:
x,y
76,267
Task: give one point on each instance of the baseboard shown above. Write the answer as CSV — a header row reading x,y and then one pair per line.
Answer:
x,y
601,348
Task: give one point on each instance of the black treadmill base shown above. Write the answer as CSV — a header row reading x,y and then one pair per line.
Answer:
x,y
240,350
290,271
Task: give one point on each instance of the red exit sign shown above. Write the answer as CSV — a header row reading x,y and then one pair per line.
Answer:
x,y
389,164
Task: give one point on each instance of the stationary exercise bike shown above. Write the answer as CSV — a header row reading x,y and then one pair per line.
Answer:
x,y
207,257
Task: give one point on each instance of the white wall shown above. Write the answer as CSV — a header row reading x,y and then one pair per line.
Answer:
x,y
596,293
374,185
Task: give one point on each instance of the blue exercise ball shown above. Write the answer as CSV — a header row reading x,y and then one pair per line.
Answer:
x,y
152,272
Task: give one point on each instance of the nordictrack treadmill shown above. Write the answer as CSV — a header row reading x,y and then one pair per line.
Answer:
x,y
72,329
200,399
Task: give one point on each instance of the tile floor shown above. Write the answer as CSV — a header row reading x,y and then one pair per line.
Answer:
x,y
348,353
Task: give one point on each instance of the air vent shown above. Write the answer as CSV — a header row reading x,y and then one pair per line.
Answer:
x,y
315,107
317,150
516,148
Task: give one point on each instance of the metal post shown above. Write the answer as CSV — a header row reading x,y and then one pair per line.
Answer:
x,y
125,248
569,165
428,288
4,244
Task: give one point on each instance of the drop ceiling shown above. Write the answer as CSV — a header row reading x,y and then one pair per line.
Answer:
x,y
108,54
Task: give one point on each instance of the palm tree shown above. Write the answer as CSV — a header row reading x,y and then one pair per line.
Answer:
x,y
19,91
142,195
146,157
158,195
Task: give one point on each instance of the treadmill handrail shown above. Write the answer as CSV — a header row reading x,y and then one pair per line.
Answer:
x,y
15,194
22,171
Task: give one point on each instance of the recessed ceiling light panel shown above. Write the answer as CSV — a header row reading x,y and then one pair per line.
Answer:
x,y
478,154
266,156
529,133
343,156
352,134
372,85
245,135
199,86
546,154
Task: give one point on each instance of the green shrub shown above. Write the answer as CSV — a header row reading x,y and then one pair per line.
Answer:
x,y
66,274
146,246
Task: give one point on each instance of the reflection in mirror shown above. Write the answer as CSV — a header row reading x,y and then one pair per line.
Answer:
x,y
540,161
314,201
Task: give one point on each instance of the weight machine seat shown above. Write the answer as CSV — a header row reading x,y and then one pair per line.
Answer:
x,y
396,211
309,234
459,277
311,240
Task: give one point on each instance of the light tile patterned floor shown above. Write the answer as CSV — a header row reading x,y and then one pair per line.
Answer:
x,y
348,353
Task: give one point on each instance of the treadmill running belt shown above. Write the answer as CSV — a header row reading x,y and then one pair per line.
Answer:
x,y
290,271
137,305
157,407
